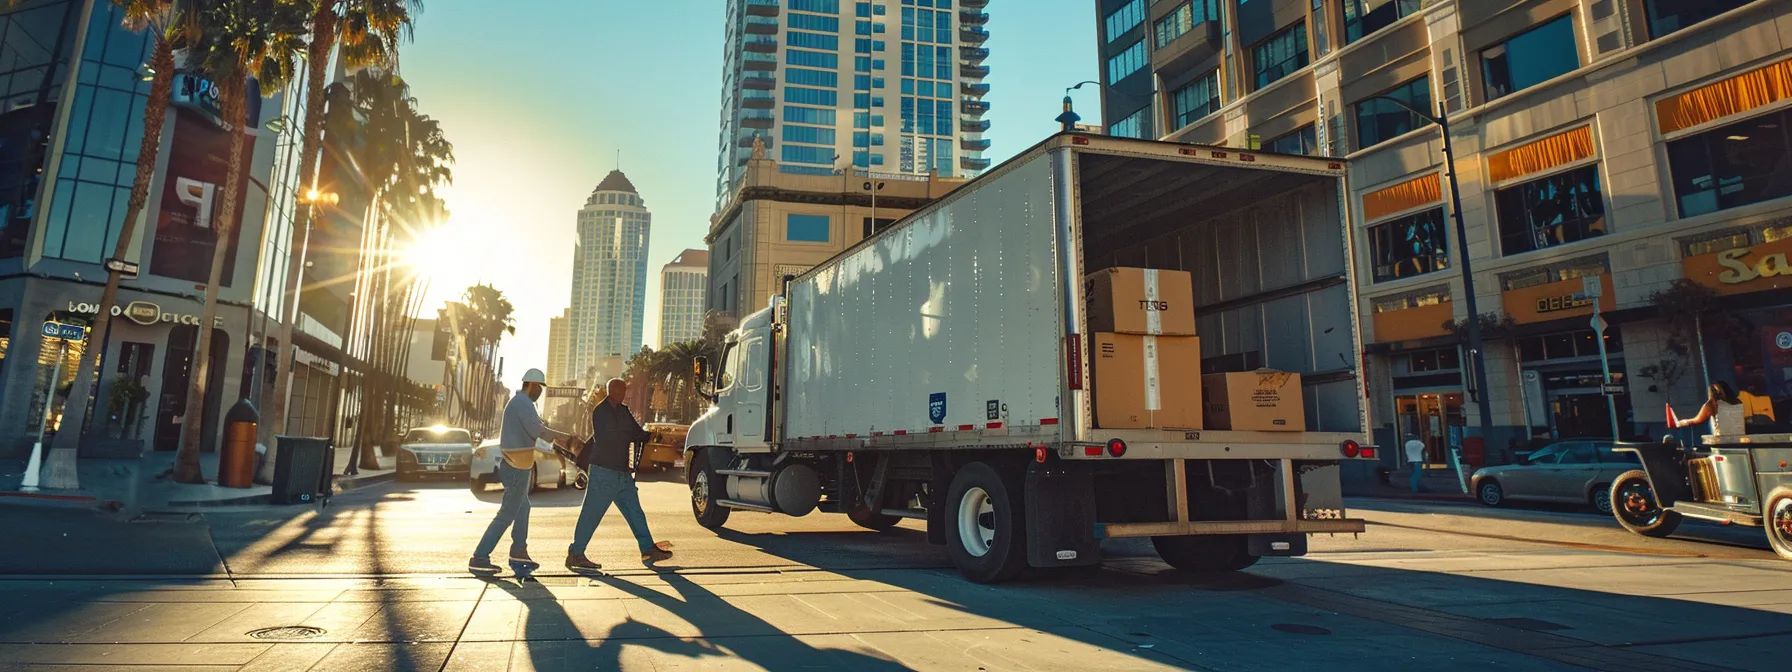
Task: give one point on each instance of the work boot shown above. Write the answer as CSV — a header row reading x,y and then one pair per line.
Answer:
x,y
660,552
482,565
520,557
579,563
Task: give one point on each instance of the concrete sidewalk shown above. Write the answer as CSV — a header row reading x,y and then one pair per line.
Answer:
x,y
145,484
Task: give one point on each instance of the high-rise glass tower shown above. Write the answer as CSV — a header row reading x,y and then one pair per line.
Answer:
x,y
609,279
881,85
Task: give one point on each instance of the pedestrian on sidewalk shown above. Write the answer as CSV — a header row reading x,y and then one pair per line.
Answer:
x,y
609,462
521,437
1415,456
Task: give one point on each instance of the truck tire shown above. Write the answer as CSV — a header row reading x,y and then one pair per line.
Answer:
x,y
1635,506
985,527
1779,520
1205,553
704,486
863,516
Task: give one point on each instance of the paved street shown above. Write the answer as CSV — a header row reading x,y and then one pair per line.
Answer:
x,y
380,578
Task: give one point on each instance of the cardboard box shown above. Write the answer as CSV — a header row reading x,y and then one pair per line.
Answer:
x,y
1264,400
1141,301
1146,381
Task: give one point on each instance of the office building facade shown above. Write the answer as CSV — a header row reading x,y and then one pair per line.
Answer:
x,y
890,86
559,367
1633,148
609,278
684,282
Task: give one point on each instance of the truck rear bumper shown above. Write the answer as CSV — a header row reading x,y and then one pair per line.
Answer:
x,y
1173,529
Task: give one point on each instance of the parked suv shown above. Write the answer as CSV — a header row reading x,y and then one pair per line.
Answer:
x,y
435,451
1570,472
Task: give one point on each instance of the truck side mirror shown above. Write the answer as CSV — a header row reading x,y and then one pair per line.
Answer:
x,y
700,366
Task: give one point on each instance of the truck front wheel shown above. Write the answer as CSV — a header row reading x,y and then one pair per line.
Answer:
x,y
1637,510
1205,553
1779,520
985,529
705,485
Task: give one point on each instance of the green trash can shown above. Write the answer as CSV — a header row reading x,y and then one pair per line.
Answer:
x,y
301,469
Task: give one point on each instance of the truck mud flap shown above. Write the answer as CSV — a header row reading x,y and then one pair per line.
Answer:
x,y
1061,517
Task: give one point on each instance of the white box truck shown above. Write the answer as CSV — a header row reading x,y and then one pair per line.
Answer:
x,y
938,369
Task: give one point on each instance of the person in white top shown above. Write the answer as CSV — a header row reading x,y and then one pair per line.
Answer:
x,y
1723,410
1415,456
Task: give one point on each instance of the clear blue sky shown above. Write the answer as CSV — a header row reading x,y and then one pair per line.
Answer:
x,y
538,96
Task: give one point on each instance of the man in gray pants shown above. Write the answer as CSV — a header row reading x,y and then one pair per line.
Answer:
x,y
522,427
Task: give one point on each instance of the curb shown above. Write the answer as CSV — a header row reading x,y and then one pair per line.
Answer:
x,y
343,484
1427,497
358,482
54,501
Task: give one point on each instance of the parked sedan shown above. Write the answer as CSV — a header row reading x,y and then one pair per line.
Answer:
x,y
1570,472
435,451
547,470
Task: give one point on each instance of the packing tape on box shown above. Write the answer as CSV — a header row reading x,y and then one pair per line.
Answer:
x,y
1154,319
1153,400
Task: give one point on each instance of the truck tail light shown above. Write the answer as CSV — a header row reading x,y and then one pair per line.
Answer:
x,y
1368,451
1352,449
1092,451
1039,454
1116,448
1073,360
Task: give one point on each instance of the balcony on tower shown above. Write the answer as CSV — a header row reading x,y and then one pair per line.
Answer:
x,y
759,44
973,35
759,62
973,4
760,25
756,81
973,55
972,17
973,108
758,100
762,7
975,89
973,163
756,119
970,125
747,137
973,71
974,144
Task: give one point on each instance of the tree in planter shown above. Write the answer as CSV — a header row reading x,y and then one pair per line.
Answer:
x,y
124,405
236,40
168,24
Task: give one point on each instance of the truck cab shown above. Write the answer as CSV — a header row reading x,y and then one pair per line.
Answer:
x,y
741,391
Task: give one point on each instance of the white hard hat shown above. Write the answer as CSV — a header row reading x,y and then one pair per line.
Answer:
x,y
535,376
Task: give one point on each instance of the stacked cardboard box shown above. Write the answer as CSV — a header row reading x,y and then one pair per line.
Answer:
x,y
1264,400
1145,357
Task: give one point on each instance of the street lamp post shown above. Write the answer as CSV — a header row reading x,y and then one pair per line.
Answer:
x,y
1476,349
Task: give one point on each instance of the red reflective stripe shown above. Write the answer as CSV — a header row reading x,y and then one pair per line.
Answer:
x,y
994,425
902,432
877,433
936,429
852,436
966,428
1073,360
1092,451
1049,421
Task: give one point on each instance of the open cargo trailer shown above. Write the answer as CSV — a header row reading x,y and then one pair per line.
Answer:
x,y
938,370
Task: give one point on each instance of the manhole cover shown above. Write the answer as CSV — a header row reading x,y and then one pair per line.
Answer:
x,y
1300,629
288,632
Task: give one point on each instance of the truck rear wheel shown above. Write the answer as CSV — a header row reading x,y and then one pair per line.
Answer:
x,y
985,529
1779,520
1205,553
705,485
1635,506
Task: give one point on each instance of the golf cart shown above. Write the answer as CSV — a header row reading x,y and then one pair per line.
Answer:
x,y
1731,480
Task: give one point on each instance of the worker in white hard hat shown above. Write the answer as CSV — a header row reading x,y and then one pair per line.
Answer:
x,y
523,436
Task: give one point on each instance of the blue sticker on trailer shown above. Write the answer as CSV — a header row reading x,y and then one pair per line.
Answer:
x,y
936,407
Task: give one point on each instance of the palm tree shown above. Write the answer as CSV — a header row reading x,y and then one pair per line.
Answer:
x,y
235,40
368,31
166,22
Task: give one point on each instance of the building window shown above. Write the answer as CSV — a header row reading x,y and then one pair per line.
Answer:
x,y
1128,17
826,24
1555,210
1182,20
1132,126
1378,121
1364,17
809,134
1303,141
1667,16
806,228
1197,99
817,6
1409,246
806,154
1569,345
813,59
1440,359
808,77
804,96
1281,55
1530,58
809,115
1127,62
813,41
1745,162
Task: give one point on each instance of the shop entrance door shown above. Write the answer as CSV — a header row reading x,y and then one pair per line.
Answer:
x,y
176,370
1430,416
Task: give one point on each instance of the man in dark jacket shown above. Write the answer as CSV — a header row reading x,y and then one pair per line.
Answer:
x,y
609,460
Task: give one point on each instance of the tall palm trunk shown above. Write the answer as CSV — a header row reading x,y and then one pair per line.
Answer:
x,y
61,472
236,110
323,39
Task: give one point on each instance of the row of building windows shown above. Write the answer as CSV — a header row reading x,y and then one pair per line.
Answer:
x,y
1183,19
812,59
925,26
823,41
1126,18
1123,64
809,115
826,24
807,77
926,62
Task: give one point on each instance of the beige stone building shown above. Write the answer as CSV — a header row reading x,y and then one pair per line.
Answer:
x,y
780,222
1638,142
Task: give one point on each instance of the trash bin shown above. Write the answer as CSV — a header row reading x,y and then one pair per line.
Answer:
x,y
236,462
301,467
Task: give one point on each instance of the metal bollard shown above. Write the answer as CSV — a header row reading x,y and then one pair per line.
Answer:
x,y
236,460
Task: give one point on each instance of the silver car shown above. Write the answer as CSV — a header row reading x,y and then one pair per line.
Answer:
x,y
547,470
435,451
1569,472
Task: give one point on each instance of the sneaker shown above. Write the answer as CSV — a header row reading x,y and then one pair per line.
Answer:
x,y
482,565
521,558
661,551
579,563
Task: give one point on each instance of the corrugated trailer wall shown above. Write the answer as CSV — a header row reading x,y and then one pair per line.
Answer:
x,y
1270,290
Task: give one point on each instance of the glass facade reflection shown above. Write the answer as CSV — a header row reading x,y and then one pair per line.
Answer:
x,y
105,132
